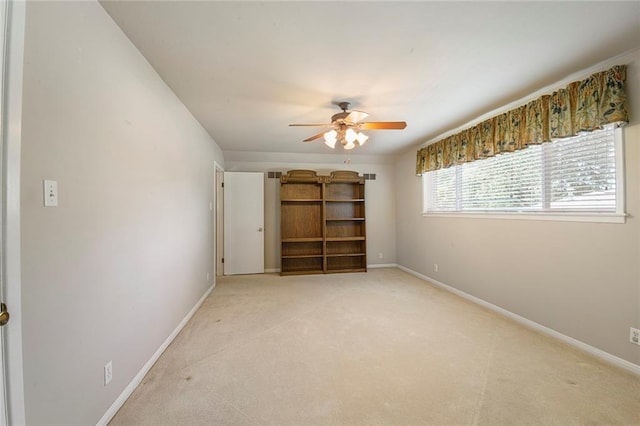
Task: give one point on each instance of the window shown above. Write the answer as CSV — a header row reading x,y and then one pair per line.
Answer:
x,y
578,176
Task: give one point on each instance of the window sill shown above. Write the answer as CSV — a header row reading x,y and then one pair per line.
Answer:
x,y
561,217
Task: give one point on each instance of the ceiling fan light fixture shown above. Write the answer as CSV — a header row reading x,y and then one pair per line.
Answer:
x,y
330,138
350,136
349,145
361,138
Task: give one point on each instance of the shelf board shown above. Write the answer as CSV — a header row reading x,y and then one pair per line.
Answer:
x,y
345,238
337,271
302,272
302,256
346,200
346,255
301,200
301,240
344,219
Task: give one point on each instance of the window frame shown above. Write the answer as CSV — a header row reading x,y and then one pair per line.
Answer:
x,y
619,216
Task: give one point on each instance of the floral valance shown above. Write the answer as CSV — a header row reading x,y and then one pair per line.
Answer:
x,y
582,106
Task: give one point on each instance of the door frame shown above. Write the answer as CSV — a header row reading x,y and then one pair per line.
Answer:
x,y
12,74
218,220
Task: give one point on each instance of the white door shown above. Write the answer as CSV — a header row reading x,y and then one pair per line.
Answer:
x,y
243,223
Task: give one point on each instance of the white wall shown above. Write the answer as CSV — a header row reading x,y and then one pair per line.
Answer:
x,y
111,272
580,279
379,204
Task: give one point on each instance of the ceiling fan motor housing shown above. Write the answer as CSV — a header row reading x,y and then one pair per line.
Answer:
x,y
339,116
344,106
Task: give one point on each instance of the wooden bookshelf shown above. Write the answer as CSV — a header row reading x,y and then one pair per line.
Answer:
x,y
345,225
322,223
301,230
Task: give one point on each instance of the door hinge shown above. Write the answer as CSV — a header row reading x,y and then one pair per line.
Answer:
x,y
222,184
222,260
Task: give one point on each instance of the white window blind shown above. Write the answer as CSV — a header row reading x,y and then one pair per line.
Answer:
x,y
577,175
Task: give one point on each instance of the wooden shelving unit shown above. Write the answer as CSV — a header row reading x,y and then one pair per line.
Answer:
x,y
344,223
323,226
301,230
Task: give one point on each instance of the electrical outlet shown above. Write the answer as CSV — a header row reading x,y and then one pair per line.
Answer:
x,y
634,335
380,256
108,372
435,267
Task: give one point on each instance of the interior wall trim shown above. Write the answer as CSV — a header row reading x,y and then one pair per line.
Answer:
x,y
382,265
126,393
598,353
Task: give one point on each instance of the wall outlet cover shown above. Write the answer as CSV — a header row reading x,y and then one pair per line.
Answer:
x,y
634,335
108,372
50,192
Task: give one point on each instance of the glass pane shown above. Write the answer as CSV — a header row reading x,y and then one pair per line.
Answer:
x,y
582,173
445,190
505,182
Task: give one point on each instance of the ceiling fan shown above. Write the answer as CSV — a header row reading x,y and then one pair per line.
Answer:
x,y
346,128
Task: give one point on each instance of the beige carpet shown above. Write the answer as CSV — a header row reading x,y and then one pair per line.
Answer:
x,y
376,348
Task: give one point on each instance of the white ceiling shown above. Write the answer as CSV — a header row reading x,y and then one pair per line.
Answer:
x,y
248,69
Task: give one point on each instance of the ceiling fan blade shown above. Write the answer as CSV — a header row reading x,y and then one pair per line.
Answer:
x,y
381,125
309,125
314,137
355,116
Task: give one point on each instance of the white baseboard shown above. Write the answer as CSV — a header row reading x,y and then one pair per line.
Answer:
x,y
382,265
598,353
126,393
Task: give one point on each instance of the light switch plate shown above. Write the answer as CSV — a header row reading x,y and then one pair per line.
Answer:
x,y
50,193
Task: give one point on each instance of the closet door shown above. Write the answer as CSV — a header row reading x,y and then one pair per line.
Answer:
x,y
243,223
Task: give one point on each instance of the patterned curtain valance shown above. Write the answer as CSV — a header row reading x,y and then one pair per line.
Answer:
x,y
582,106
